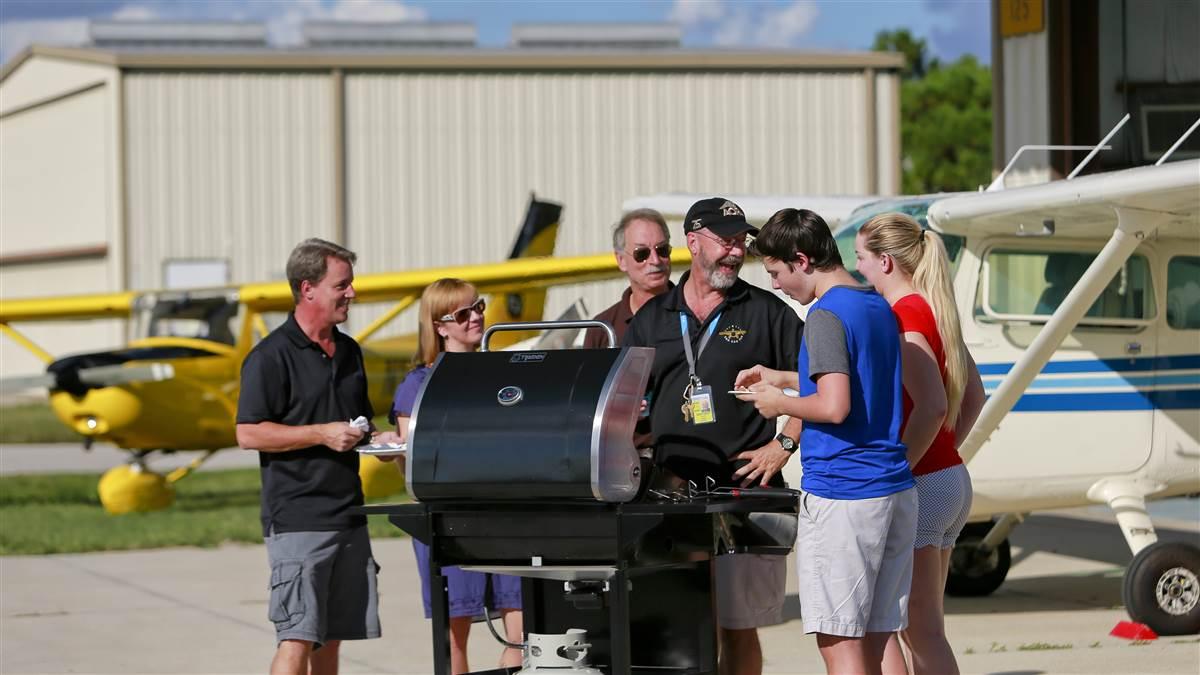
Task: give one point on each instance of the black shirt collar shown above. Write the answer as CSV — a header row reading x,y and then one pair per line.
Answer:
x,y
675,301
291,328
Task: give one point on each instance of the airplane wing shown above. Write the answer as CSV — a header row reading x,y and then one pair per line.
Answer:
x,y
1081,207
106,306
500,277
1120,207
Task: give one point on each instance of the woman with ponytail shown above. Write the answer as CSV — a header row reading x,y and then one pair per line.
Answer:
x,y
943,395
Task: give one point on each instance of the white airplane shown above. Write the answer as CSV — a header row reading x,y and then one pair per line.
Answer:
x,y
1080,302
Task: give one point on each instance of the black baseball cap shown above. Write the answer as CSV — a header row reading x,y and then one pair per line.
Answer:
x,y
718,214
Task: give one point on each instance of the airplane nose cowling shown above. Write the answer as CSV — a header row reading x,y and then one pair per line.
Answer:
x,y
98,412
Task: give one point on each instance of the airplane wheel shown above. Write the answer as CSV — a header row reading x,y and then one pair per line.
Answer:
x,y
129,488
1162,588
972,572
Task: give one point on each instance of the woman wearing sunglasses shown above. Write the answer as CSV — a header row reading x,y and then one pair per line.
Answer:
x,y
451,320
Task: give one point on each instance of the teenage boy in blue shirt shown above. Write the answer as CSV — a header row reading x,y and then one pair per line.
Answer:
x,y
858,504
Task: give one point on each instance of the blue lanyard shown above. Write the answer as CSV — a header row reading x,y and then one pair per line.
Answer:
x,y
687,343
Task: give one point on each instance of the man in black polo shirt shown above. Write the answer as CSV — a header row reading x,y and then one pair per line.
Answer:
x,y
301,388
699,429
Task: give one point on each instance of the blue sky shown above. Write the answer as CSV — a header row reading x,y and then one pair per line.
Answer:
x,y
951,27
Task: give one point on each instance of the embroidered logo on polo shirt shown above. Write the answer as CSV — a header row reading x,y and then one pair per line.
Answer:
x,y
733,334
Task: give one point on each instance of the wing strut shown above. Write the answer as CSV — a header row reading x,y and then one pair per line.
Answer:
x,y
385,318
1132,227
25,342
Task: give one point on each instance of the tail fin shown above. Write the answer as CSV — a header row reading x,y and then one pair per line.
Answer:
x,y
537,237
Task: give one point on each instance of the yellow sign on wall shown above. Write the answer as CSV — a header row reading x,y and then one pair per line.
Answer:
x,y
1018,17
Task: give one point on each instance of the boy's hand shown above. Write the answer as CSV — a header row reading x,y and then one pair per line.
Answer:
x,y
762,464
751,376
766,398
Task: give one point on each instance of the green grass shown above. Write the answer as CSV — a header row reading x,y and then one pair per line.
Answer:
x,y
62,514
33,423
1043,646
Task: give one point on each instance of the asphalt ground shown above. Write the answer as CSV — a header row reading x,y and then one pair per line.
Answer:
x,y
191,610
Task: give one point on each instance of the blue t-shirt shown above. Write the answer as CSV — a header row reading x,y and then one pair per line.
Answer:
x,y
853,331
406,393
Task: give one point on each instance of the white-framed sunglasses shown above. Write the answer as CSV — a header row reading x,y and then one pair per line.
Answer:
x,y
463,314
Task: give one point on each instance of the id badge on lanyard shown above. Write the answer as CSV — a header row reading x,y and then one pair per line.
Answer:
x,y
697,405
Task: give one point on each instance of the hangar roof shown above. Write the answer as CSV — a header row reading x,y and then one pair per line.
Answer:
x,y
462,59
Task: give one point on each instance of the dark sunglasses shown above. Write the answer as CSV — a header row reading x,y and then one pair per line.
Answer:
x,y
642,253
463,314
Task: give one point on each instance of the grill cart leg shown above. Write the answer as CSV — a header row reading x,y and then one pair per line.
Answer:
x,y
440,604
618,621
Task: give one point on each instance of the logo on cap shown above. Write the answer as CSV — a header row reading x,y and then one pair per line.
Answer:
x,y
731,209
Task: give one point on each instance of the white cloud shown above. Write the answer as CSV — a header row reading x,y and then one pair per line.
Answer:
x,y
283,19
691,12
17,35
746,24
781,28
285,27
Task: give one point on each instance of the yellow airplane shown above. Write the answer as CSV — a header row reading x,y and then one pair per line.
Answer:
x,y
163,392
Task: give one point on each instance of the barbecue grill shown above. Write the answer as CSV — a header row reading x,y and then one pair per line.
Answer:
x,y
524,464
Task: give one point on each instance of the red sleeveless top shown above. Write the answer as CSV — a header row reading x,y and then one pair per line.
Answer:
x,y
915,316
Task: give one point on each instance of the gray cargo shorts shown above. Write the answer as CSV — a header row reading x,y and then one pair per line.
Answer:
x,y
323,586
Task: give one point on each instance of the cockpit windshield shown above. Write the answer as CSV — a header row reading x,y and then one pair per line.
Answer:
x,y
917,207
207,316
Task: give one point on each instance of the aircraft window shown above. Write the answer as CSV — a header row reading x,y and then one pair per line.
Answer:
x,y
1031,283
917,209
205,319
1183,293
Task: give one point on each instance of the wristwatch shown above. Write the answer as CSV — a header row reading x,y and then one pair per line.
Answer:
x,y
787,442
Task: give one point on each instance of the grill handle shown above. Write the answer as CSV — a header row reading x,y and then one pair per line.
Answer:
x,y
549,325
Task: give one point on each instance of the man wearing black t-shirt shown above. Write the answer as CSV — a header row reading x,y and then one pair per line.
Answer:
x,y
301,388
704,331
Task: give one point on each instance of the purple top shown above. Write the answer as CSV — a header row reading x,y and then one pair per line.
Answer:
x,y
406,393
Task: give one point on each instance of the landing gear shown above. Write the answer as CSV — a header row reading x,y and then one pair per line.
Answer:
x,y
1162,588
1162,584
981,558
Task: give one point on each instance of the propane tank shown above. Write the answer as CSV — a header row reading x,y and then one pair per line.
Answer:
x,y
557,654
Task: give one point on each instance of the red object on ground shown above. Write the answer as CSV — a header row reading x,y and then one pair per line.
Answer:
x,y
1132,630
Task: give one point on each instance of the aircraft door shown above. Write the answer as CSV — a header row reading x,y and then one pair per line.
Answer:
x,y
1089,411
1177,391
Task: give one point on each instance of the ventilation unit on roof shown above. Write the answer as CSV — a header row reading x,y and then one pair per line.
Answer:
x,y
177,34
396,35
597,35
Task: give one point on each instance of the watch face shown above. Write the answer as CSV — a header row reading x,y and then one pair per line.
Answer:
x,y
786,442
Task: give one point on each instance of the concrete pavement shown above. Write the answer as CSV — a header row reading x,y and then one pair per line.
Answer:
x,y
203,611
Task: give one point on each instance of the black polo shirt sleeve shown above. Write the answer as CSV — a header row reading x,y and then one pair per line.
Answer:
x,y
264,390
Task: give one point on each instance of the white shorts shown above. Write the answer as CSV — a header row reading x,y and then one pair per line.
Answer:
x,y
854,558
945,503
750,590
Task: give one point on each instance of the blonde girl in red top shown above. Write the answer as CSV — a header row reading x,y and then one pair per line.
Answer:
x,y
943,395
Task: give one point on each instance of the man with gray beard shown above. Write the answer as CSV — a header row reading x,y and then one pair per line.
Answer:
x,y
704,331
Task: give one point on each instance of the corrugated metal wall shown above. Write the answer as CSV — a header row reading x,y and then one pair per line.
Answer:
x,y
440,166
58,183
234,165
